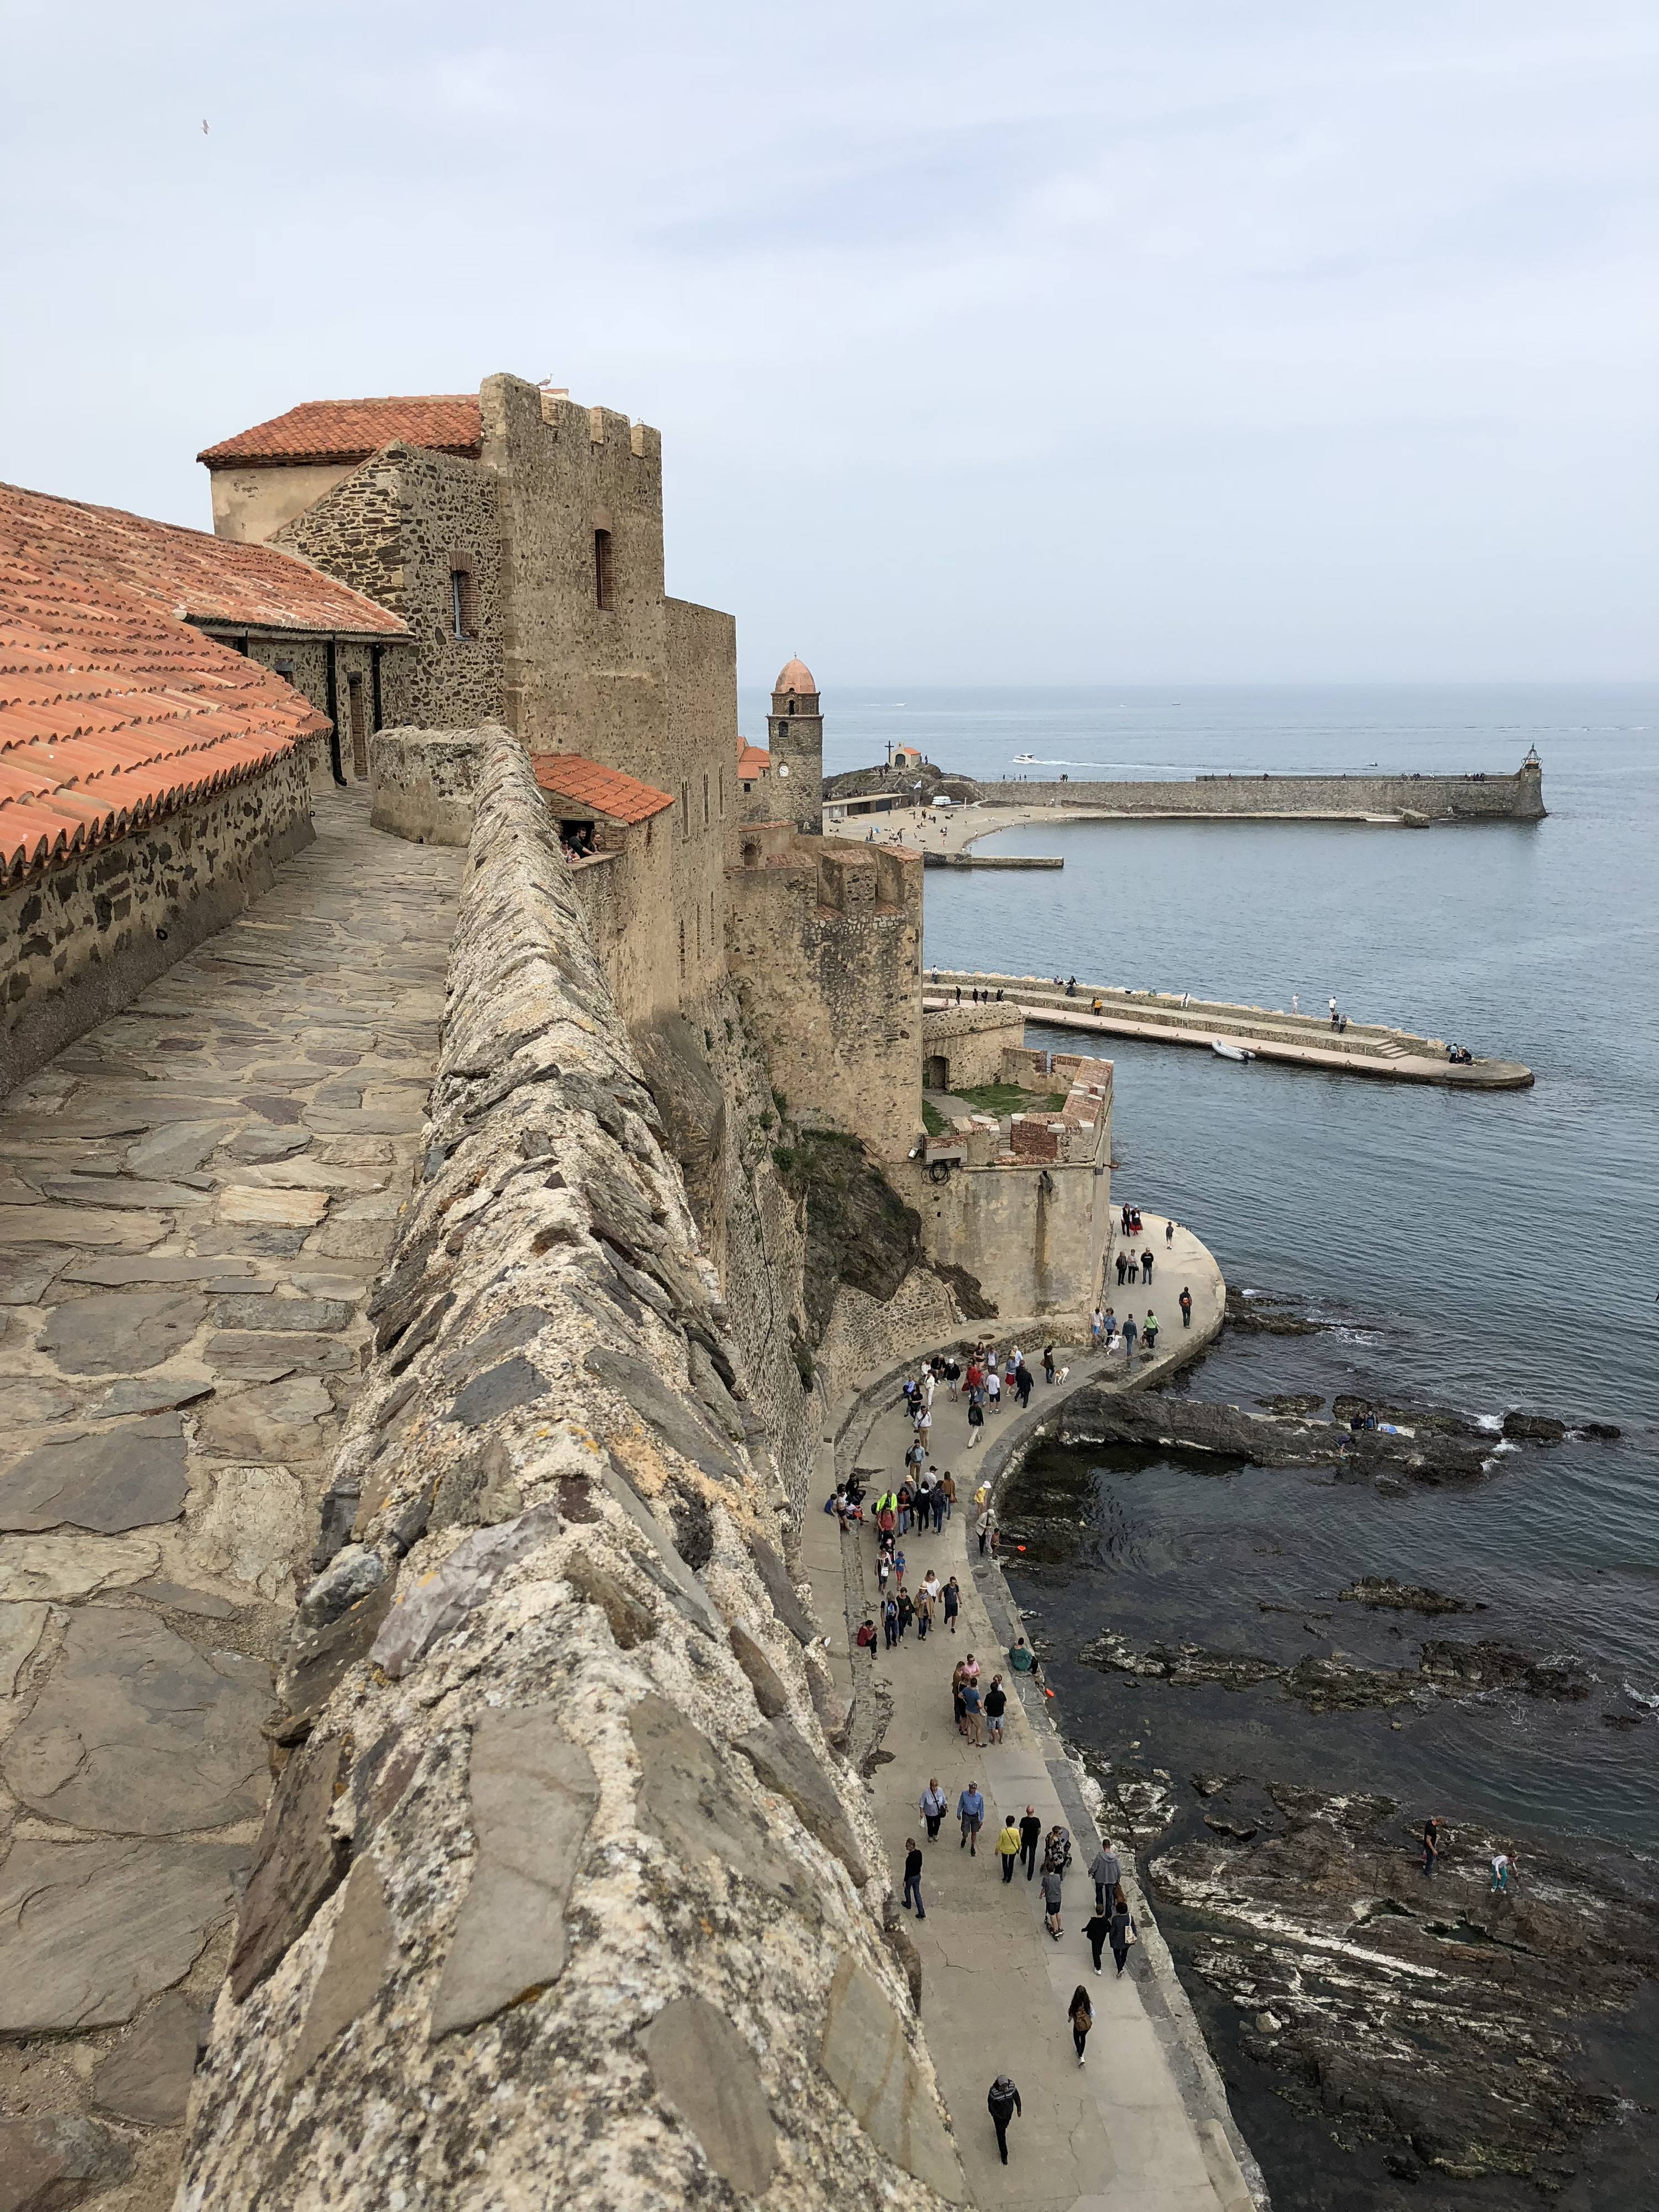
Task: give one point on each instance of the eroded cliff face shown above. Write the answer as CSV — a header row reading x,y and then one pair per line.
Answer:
x,y
565,1894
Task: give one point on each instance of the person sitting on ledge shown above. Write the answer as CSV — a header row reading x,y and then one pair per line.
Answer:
x,y
1022,1658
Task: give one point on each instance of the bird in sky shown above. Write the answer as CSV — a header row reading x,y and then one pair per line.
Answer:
x,y
204,130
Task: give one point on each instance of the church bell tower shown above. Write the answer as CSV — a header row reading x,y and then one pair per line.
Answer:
x,y
795,740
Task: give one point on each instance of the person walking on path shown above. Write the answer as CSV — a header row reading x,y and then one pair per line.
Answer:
x,y
940,1499
1023,1385
970,1808
976,1424
933,1807
1002,2102
1081,2013
1030,1835
1431,1845
1146,1265
971,1708
913,1878
994,1390
984,1525
1122,1263
947,1484
1186,1304
1128,1336
1121,1927
1105,1871
1332,1013
1095,1932
1169,1232
996,1704
1048,1363
1053,1883
1008,1846
952,1604
1149,1330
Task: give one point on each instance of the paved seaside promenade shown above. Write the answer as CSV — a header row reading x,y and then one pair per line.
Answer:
x,y
1143,2126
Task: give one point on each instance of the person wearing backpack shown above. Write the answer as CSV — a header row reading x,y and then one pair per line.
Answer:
x,y
1081,2013
1122,1927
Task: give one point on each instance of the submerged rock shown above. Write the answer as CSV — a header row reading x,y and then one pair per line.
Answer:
x,y
1339,1683
1533,1428
1432,2017
1268,1317
1403,1597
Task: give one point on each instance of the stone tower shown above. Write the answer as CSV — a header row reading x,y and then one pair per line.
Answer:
x,y
796,743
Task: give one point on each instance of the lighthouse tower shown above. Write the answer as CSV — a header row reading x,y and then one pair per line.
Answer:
x,y
795,740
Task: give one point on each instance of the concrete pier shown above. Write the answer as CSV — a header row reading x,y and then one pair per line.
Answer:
x,y
1393,1056
991,860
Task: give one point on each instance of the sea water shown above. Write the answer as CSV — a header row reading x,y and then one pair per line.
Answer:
x,y
1481,1251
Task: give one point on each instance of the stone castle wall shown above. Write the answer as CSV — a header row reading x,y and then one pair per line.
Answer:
x,y
81,941
1516,797
824,948
423,784
969,1041
394,529
698,769
562,1810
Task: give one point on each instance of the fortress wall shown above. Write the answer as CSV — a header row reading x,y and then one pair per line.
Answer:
x,y
392,530
825,950
1516,797
566,1894
698,768
81,941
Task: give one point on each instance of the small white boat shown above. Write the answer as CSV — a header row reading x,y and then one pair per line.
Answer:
x,y
1024,760
1229,1051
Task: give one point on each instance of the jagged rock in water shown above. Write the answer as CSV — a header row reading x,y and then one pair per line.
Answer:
x,y
1532,1429
1434,2018
1491,1665
1403,1597
1339,1683
1424,1420
1095,1416
1293,1401
1268,1317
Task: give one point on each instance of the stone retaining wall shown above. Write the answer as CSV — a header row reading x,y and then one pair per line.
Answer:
x,y
1518,798
565,1895
82,940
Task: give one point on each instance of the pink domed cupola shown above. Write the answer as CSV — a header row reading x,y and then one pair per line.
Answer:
x,y
795,735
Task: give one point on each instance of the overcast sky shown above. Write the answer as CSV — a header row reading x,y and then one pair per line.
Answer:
x,y
1054,344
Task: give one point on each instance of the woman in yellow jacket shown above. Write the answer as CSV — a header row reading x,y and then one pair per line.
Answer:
x,y
1008,1846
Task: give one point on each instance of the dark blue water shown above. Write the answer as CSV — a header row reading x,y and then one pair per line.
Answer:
x,y
1485,1252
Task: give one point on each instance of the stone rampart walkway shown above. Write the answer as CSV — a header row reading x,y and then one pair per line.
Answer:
x,y
194,1199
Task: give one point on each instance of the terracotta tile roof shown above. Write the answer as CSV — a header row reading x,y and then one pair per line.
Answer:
x,y
188,572
114,711
606,790
753,759
325,430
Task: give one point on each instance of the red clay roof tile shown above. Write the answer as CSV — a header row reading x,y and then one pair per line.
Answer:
x,y
753,759
606,790
328,430
114,709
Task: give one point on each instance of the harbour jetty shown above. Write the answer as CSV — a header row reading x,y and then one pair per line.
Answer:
x,y
969,808
1414,801
1295,1040
991,859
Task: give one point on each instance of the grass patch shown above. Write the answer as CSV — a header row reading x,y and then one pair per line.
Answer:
x,y
932,1121
1008,1099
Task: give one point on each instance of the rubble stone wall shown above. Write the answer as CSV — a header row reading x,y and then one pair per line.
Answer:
x,y
565,1894
422,783
82,940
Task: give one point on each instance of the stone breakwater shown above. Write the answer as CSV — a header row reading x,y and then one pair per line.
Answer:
x,y
564,1883
1410,799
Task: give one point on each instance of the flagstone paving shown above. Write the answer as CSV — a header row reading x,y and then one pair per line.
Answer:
x,y
194,1200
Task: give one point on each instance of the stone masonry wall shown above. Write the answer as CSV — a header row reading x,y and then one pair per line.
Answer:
x,y
393,530
85,939
824,948
423,783
565,1894
698,768
1459,797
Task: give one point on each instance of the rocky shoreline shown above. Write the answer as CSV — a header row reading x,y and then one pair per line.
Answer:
x,y
1436,2018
